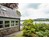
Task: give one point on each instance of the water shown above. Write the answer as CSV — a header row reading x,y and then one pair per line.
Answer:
x,y
46,22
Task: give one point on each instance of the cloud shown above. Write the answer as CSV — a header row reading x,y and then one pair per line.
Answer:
x,y
33,5
31,13
44,7
35,13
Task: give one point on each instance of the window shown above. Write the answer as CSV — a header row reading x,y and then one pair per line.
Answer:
x,y
1,24
12,23
16,22
7,23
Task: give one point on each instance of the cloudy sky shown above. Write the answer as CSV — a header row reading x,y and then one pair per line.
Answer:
x,y
34,10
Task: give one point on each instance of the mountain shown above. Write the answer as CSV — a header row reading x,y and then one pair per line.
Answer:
x,y
42,19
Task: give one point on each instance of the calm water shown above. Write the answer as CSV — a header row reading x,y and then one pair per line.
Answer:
x,y
47,22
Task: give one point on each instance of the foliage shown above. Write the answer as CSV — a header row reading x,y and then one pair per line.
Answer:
x,y
35,30
28,28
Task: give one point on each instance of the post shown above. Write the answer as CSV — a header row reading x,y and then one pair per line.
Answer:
x,y
19,24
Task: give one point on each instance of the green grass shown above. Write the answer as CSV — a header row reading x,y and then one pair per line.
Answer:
x,y
19,34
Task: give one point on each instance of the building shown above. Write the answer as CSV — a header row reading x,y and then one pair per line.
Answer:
x,y
9,19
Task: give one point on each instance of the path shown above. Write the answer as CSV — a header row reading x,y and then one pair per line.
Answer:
x,y
14,34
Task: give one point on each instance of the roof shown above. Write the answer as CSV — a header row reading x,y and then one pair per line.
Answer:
x,y
7,12
10,5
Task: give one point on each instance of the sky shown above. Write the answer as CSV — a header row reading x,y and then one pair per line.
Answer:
x,y
34,10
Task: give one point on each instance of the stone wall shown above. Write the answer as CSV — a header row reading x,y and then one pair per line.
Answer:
x,y
7,31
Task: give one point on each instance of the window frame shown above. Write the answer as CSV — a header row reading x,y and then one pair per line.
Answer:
x,y
17,22
1,24
12,23
7,24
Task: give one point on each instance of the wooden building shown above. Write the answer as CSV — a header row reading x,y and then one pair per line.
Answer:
x,y
9,18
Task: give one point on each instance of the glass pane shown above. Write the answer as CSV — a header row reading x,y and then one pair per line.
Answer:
x,y
6,25
1,26
1,22
6,22
16,24
16,21
12,23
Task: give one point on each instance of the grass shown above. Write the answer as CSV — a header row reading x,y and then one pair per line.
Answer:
x,y
20,34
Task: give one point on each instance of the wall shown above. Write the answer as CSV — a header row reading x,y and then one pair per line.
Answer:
x,y
7,31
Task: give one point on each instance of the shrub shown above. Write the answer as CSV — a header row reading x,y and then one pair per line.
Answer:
x,y
28,28
35,30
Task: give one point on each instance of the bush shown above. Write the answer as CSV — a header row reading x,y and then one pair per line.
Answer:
x,y
35,30
28,28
